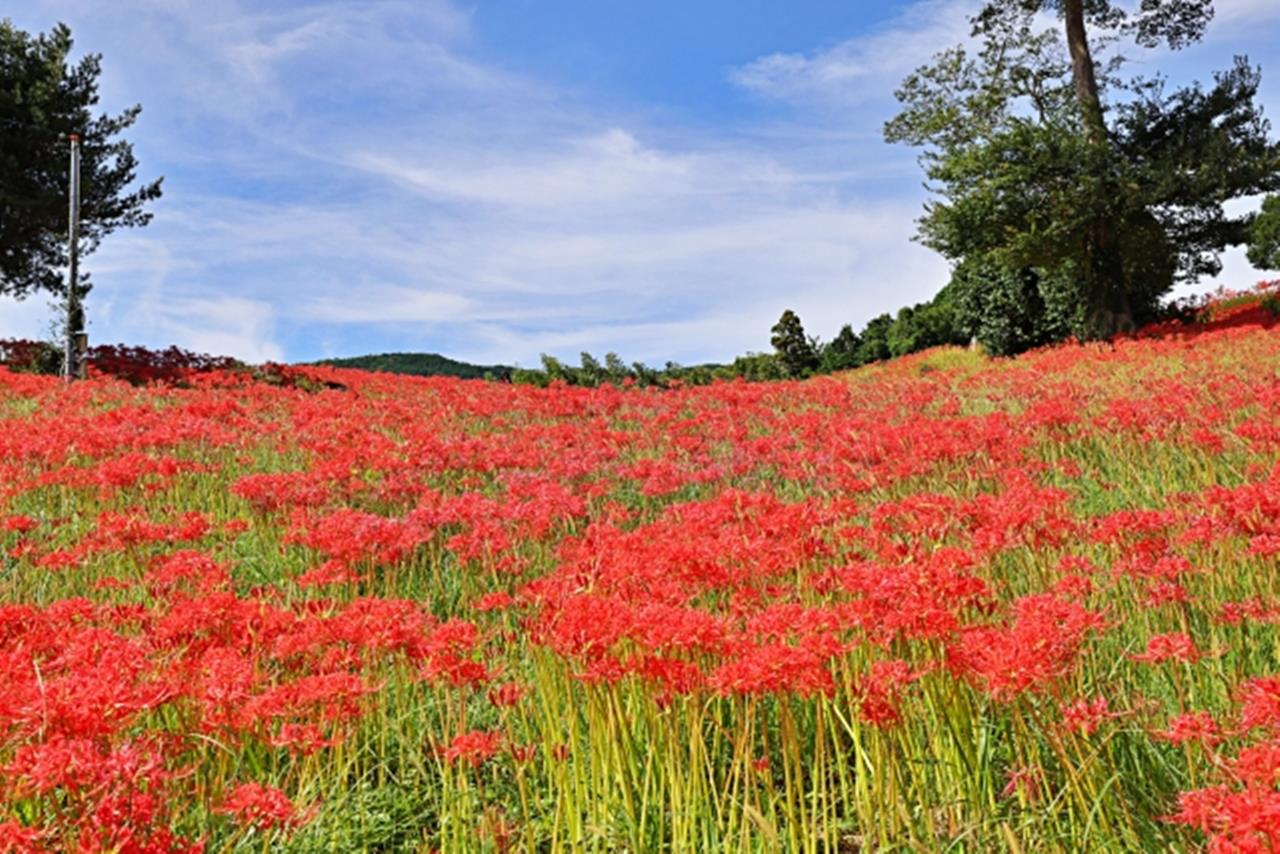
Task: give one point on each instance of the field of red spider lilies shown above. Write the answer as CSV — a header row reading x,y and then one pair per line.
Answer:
x,y
943,604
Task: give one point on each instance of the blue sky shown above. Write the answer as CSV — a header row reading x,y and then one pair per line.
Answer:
x,y
502,178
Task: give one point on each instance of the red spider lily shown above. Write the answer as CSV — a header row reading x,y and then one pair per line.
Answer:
x,y
1026,782
444,653
1192,726
671,676
1084,716
473,748
499,600
773,669
351,536
1039,647
20,524
506,695
1258,765
267,492
1251,610
522,753
195,570
1167,593
16,839
1234,821
263,807
1074,587
329,573
879,692
332,696
1260,702
302,739
1174,646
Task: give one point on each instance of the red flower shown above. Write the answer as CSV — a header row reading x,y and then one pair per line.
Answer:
x,y
474,748
1260,698
772,669
879,692
1040,646
506,695
1192,726
1166,647
16,839
263,807
1085,716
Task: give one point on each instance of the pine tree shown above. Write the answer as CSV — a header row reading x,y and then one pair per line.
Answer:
x,y
795,351
43,99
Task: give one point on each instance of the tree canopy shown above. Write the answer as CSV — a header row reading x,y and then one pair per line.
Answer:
x,y
43,99
1264,236
1049,165
797,354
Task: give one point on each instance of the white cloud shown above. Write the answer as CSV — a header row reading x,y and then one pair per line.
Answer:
x,y
863,68
373,303
218,325
606,166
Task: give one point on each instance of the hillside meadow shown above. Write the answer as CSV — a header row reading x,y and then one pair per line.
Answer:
x,y
946,603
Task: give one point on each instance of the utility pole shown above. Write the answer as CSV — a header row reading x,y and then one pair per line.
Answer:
x,y
77,342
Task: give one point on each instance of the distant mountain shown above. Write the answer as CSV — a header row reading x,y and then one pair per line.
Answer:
x,y
422,365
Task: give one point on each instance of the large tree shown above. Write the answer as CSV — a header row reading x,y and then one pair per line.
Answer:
x,y
1049,162
44,99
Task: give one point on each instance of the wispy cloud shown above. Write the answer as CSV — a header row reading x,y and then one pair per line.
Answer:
x,y
605,167
865,67
372,303
1233,12
245,327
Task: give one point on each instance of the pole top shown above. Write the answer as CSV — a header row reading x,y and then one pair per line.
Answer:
x,y
74,137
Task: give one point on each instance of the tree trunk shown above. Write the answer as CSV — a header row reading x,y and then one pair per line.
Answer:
x,y
1111,311
1082,73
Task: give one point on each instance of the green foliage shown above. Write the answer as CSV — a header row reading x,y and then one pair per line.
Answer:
x,y
901,334
841,353
616,370
758,367
590,373
796,353
557,371
422,365
1264,236
42,101
1028,176
1001,308
645,375
873,344
529,376
925,325
696,375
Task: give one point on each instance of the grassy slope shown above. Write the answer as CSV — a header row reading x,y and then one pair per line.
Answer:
x,y
1014,533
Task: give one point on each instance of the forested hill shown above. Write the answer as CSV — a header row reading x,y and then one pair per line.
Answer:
x,y
422,365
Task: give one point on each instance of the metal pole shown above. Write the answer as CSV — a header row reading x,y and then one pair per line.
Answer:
x,y
70,366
